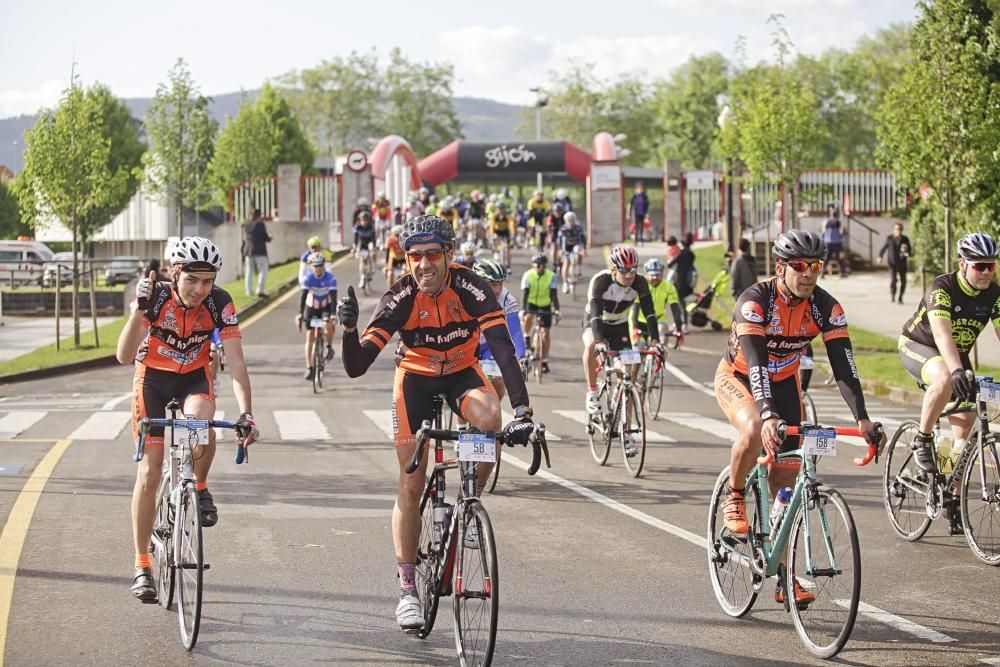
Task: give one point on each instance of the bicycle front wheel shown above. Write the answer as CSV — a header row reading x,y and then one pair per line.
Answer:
x,y
981,501
190,565
633,424
654,390
904,485
476,589
426,570
809,409
162,545
825,559
731,557
317,381
495,475
599,431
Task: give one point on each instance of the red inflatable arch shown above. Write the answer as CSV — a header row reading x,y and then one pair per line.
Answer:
x,y
390,147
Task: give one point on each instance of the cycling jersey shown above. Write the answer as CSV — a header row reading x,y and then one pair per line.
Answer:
x,y
663,295
318,291
510,308
609,303
451,215
438,334
769,334
537,210
501,225
364,235
382,210
394,250
571,236
477,210
952,298
178,338
538,289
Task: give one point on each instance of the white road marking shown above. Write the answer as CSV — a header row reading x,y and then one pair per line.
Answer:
x,y
686,379
105,425
14,423
382,419
111,404
717,427
300,425
900,623
580,416
990,661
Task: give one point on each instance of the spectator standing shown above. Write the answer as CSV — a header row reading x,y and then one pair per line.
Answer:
x,y
638,207
255,240
896,250
833,234
743,270
684,275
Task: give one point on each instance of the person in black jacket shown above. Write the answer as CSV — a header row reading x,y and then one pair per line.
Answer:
x,y
255,240
897,251
684,274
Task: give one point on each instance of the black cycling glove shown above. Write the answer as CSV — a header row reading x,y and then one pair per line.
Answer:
x,y
518,431
347,309
962,384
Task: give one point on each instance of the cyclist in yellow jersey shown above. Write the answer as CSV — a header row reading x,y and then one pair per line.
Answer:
x,y
541,299
664,294
538,210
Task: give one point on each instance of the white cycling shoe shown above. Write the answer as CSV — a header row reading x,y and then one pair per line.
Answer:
x,y
630,448
409,613
593,403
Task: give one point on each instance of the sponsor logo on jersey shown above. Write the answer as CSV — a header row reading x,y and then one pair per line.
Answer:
x,y
454,310
169,320
753,312
472,289
838,317
423,314
229,314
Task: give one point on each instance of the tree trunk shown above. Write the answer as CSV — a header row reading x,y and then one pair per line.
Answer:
x,y
947,230
178,207
93,296
76,286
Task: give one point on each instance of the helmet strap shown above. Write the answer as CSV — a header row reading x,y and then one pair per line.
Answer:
x,y
786,290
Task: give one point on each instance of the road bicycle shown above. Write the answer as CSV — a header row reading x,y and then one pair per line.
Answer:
x,y
652,376
966,487
809,415
367,274
176,546
823,556
574,272
457,553
621,413
318,326
536,353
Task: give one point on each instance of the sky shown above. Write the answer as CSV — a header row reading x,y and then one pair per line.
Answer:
x,y
499,50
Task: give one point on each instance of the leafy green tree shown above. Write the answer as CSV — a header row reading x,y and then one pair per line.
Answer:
x,y
11,225
939,125
181,135
77,169
418,103
263,135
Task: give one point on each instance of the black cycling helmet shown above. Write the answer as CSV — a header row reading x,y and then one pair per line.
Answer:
x,y
428,229
798,243
540,259
977,246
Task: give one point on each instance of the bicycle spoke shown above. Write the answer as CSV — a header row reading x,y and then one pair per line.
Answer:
x,y
476,599
981,502
190,567
730,558
904,485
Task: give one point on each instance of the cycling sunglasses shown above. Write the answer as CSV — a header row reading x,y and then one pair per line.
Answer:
x,y
431,255
800,266
983,267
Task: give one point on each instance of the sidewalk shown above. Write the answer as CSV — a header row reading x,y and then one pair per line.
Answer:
x,y
20,335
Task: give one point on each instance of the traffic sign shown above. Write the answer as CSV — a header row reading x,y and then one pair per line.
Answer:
x,y
357,160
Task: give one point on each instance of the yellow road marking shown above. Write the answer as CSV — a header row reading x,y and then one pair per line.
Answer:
x,y
16,530
292,292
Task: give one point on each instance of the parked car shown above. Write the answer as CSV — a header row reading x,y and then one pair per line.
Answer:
x,y
121,270
23,261
63,262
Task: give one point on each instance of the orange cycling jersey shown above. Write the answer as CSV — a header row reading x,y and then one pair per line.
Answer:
x,y
394,249
178,339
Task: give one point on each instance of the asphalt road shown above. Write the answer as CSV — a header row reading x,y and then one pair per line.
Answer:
x,y
596,568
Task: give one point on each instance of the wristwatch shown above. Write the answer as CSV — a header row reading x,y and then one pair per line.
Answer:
x,y
769,414
522,411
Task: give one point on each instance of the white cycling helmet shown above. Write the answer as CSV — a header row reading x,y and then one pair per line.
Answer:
x,y
196,253
363,201
468,248
569,218
977,246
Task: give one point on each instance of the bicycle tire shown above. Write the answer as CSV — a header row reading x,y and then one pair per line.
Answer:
x,y
734,582
476,602
809,415
426,566
316,382
825,625
491,483
539,352
635,424
321,356
190,566
901,481
983,520
599,432
653,389
161,548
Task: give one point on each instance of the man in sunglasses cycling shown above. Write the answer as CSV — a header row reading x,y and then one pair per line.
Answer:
x,y
757,381
936,340
438,309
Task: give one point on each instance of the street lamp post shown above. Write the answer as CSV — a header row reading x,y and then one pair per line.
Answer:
x,y
725,117
541,100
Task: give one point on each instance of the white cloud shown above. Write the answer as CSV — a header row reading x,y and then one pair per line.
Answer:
x,y
18,102
648,57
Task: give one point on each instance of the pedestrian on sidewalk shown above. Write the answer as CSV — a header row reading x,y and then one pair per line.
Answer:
x,y
743,270
896,250
833,235
684,274
255,240
638,207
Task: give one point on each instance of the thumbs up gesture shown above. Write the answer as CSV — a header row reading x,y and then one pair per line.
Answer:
x,y
144,290
347,309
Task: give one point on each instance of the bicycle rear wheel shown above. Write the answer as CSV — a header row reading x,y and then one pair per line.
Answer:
x,y
190,565
731,558
495,475
654,390
476,591
825,559
904,485
162,545
426,570
633,422
981,501
317,360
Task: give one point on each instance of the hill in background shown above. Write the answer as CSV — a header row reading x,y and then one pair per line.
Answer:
x,y
481,119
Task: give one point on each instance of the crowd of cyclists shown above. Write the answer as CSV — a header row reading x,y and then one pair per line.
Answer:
x,y
464,334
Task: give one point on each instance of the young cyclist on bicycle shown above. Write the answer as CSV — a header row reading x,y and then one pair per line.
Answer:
x,y
467,256
935,343
664,296
319,294
757,381
438,310
541,300
168,338
573,242
312,245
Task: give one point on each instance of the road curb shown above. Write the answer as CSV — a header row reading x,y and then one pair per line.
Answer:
x,y
111,360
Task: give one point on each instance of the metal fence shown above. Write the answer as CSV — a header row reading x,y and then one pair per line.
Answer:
x,y
868,192
261,193
319,198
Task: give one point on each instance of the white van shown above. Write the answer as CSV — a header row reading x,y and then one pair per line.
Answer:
x,y
23,261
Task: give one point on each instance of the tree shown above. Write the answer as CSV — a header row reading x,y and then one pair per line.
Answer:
x,y
686,108
79,167
418,103
182,140
11,225
939,124
263,135
774,130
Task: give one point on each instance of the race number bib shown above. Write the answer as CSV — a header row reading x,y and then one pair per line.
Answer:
x,y
196,432
630,357
490,367
990,393
317,323
477,447
820,442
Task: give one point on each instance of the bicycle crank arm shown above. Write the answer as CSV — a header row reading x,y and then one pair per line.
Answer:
x,y
824,572
192,566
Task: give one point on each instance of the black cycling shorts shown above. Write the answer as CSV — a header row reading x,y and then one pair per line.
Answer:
x,y
413,398
915,357
617,336
324,311
544,315
152,389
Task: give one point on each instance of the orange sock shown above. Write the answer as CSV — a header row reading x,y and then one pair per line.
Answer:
x,y
201,486
143,560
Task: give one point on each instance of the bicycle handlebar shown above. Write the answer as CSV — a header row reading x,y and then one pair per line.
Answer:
x,y
539,446
875,437
241,451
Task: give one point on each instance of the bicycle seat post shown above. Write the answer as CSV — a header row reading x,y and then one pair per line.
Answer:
x,y
173,406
